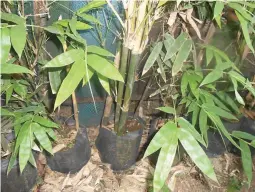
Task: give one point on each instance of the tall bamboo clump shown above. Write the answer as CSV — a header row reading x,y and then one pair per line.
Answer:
x,y
139,18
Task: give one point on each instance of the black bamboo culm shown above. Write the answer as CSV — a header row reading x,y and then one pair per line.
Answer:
x,y
128,92
122,69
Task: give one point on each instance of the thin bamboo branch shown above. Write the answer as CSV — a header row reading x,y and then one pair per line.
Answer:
x,y
115,12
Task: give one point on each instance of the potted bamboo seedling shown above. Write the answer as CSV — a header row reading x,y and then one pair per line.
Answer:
x,y
119,146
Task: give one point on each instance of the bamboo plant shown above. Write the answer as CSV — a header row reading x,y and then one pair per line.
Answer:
x,y
138,20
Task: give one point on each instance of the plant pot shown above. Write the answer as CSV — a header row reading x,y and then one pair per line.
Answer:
x,y
121,152
72,160
16,182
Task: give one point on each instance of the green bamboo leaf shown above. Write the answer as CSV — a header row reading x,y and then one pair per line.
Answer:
x,y
192,106
238,96
32,159
203,125
91,5
153,57
218,111
42,137
194,87
218,8
71,81
72,24
55,79
246,160
5,44
55,29
184,124
209,56
196,153
223,65
215,100
77,38
161,137
65,58
184,83
169,110
99,51
5,112
242,80
171,51
218,123
195,115
18,38
12,18
86,79
253,143
242,10
51,133
165,160
35,109
104,82
169,40
45,122
23,133
104,67
13,68
79,25
8,94
218,20
20,89
181,57
24,152
167,62
89,18
161,69
11,162
243,135
224,97
249,4
245,29
22,119
212,76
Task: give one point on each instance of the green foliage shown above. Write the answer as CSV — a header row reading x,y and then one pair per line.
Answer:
x,y
81,61
203,100
166,140
31,127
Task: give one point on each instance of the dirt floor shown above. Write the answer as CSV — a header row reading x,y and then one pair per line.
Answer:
x,y
96,176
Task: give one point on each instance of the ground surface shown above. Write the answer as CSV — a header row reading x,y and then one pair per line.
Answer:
x,y
184,177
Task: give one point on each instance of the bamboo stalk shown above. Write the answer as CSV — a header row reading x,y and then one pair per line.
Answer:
x,y
122,69
128,92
